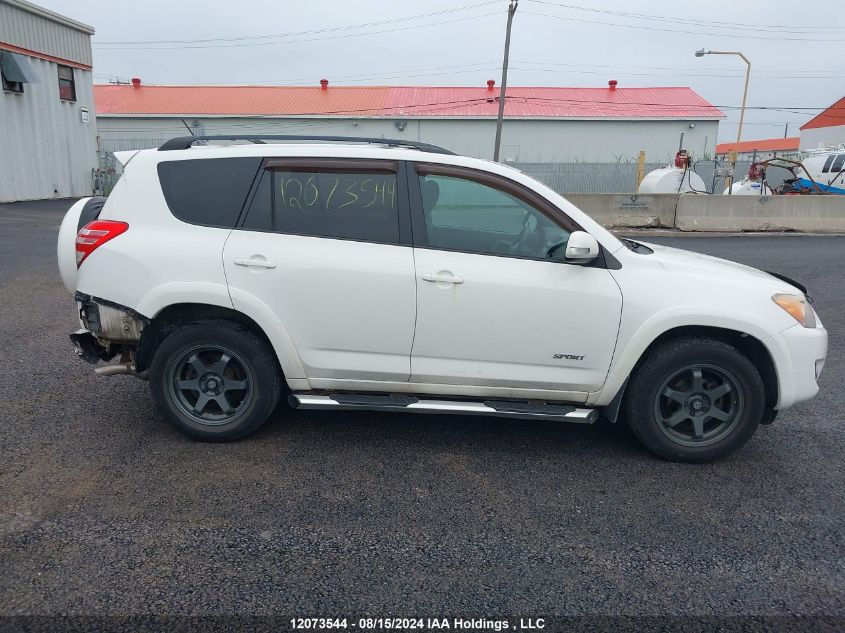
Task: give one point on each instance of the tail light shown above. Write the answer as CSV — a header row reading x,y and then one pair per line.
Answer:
x,y
95,234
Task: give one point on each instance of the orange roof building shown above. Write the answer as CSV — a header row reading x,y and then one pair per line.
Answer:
x,y
542,124
765,148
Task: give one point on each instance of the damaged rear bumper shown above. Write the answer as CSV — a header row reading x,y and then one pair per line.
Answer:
x,y
88,348
108,330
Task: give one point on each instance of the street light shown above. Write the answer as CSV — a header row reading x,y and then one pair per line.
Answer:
x,y
701,53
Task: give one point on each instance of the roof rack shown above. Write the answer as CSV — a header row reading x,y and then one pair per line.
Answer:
x,y
185,142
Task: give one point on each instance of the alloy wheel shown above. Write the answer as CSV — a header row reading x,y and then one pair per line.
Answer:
x,y
211,384
698,405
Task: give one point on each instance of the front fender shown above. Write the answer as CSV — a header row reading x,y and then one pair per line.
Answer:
x,y
629,352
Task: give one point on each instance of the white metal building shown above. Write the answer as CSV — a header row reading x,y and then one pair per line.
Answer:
x,y
48,131
826,129
543,125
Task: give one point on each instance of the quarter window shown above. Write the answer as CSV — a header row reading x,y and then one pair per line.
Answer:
x,y
67,86
469,216
209,191
338,203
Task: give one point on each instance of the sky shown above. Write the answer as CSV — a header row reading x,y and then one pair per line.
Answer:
x,y
798,65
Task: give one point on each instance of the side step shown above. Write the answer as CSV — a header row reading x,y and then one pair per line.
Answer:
x,y
533,410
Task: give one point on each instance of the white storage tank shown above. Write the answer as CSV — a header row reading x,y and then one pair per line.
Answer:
x,y
749,188
672,180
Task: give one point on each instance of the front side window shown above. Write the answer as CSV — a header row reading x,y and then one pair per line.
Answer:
x,y
466,215
838,163
342,203
67,86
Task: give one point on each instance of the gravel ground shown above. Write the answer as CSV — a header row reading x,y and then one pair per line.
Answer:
x,y
106,511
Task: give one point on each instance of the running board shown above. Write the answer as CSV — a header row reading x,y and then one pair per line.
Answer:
x,y
411,404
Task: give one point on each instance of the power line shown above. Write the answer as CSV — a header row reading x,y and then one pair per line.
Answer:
x,y
693,22
309,32
490,66
300,41
457,103
653,28
757,71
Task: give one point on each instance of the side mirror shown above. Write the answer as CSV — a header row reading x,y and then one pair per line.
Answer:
x,y
581,248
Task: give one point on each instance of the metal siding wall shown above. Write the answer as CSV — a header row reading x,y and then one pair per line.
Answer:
x,y
542,141
536,141
45,149
143,133
42,35
822,136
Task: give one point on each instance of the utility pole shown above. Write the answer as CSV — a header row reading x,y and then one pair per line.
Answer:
x,y
732,156
511,11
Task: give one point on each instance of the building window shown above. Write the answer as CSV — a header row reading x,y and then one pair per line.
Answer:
x,y
11,86
67,87
8,84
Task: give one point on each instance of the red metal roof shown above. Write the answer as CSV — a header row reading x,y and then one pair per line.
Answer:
x,y
386,101
763,145
833,116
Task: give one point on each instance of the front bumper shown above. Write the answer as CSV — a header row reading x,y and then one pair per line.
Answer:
x,y
803,352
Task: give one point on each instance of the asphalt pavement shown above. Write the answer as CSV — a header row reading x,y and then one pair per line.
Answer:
x,y
107,511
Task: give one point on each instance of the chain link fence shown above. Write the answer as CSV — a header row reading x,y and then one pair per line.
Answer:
x,y
564,178
616,177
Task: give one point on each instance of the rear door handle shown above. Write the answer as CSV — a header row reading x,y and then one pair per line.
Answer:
x,y
442,278
255,263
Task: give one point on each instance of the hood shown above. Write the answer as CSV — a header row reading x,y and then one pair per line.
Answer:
x,y
676,259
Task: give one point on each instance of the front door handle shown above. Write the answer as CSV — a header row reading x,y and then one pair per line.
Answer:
x,y
255,263
442,278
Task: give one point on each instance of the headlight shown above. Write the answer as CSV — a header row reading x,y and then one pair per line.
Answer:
x,y
797,307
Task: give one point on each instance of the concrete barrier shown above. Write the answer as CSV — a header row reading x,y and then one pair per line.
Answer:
x,y
627,210
761,213
690,212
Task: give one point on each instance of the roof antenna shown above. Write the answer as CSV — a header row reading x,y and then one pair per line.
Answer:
x,y
187,126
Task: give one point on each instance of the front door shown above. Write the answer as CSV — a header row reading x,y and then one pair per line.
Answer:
x,y
496,305
324,245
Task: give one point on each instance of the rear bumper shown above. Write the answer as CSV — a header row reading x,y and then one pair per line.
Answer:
x,y
805,353
88,348
107,329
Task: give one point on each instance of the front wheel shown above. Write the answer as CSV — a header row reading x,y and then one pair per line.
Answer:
x,y
215,380
695,400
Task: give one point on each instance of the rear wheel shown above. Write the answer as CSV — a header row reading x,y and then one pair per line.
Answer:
x,y
695,400
215,380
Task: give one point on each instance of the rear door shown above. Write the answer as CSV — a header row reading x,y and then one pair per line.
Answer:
x,y
325,243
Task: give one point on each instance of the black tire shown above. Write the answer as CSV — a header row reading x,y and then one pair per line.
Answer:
x,y
694,400
238,394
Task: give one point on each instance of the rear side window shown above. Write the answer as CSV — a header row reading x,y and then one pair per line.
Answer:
x,y
208,191
338,203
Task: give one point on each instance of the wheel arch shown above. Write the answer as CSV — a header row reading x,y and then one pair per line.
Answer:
x,y
172,316
749,345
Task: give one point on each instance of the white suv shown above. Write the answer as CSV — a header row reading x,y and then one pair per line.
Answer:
x,y
376,274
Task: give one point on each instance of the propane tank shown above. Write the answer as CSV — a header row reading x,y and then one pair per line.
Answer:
x,y
748,187
754,184
672,180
